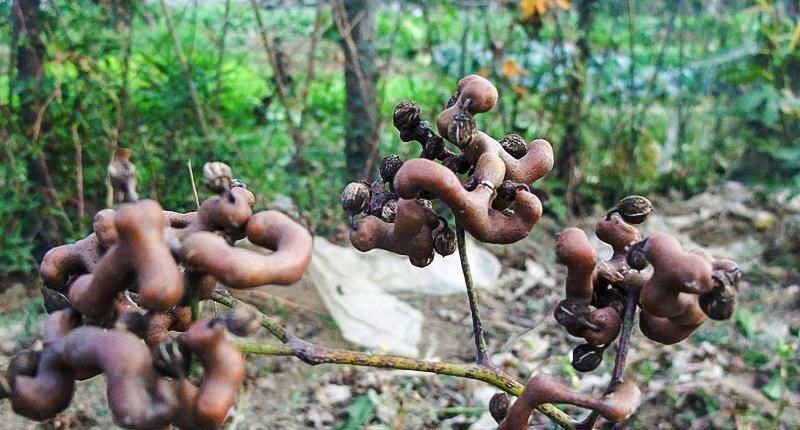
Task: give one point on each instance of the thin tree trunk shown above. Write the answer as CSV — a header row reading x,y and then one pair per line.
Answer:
x,y
29,56
187,76
568,159
356,22
29,59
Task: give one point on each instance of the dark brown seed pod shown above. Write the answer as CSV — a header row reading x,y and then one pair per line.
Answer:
x,y
389,211
390,164
507,193
172,358
459,164
515,145
498,406
444,240
217,176
406,118
355,198
451,101
53,300
421,262
378,197
462,129
636,258
432,145
633,209
719,303
573,315
243,320
586,358
426,204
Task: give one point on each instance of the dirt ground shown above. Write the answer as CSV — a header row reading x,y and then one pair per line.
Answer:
x,y
741,373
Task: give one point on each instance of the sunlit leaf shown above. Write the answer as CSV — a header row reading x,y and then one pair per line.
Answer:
x,y
774,388
511,69
746,321
529,8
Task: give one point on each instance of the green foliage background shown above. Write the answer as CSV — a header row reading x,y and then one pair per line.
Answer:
x,y
677,97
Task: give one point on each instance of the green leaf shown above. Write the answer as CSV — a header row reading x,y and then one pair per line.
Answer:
x,y
746,321
774,388
358,413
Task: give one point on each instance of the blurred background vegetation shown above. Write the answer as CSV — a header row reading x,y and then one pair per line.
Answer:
x,y
637,97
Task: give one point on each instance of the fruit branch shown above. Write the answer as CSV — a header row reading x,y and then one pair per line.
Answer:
x,y
315,354
482,358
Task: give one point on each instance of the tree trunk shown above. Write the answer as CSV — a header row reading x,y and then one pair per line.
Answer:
x,y
30,52
360,75
29,58
569,152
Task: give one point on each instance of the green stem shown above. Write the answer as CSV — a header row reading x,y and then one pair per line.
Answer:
x,y
483,358
194,304
264,349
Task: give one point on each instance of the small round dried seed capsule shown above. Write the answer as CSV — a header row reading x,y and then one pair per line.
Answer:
x,y
172,358
243,320
636,258
421,262
217,176
498,406
433,146
133,322
508,190
720,302
54,300
633,209
355,198
573,316
586,358
451,101
515,145
457,163
717,308
462,129
406,116
390,164
389,211
426,204
444,240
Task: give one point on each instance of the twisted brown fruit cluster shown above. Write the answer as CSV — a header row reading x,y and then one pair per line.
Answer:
x,y
495,204
684,288
142,249
126,287
674,299
140,397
